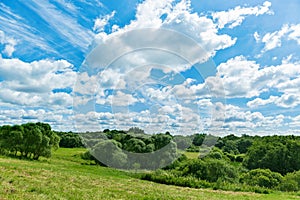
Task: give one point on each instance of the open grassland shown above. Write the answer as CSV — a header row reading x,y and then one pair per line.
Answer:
x,y
67,176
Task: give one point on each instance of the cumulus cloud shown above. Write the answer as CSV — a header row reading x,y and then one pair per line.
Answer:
x,y
20,115
295,33
33,84
121,99
246,122
102,21
245,78
179,17
9,44
274,39
261,102
234,17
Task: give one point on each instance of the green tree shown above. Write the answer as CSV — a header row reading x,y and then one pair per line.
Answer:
x,y
135,145
198,139
243,145
108,153
279,154
161,140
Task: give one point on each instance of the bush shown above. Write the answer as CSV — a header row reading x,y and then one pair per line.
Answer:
x,y
209,169
289,185
172,178
262,177
220,170
291,182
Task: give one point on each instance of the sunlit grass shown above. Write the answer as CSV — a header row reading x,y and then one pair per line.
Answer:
x,y
67,176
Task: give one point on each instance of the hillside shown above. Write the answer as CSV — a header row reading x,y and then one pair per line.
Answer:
x,y
67,176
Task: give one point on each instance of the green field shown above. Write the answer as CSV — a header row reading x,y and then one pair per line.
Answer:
x,y
67,176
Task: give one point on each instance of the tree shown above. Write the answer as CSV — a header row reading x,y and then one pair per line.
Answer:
x,y
198,139
136,130
69,140
161,140
278,154
108,153
243,145
31,140
230,147
135,145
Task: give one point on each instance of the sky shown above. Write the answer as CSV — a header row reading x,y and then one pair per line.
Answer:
x,y
190,66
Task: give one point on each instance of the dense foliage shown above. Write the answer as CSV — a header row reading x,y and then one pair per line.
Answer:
x,y
69,140
277,153
30,140
130,149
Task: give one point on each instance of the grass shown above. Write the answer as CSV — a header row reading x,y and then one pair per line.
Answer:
x,y
67,176
192,155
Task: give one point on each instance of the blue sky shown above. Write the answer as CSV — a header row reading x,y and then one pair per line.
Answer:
x,y
214,66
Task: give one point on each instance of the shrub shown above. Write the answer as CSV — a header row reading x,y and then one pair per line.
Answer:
x,y
171,178
262,177
220,170
209,169
289,185
291,182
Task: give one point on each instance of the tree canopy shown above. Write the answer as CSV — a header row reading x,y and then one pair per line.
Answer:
x,y
30,140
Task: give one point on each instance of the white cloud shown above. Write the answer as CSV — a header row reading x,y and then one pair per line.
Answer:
x,y
9,44
235,17
16,27
288,100
179,17
205,103
244,78
295,33
274,39
68,5
63,24
121,99
101,22
19,116
247,122
129,54
237,76
256,36
32,84
261,102
295,122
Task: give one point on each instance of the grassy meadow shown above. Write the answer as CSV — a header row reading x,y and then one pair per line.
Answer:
x,y
67,176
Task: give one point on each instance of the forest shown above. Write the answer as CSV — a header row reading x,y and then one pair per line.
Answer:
x,y
260,164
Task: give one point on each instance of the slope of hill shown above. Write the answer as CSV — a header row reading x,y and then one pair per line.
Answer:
x,y
67,176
